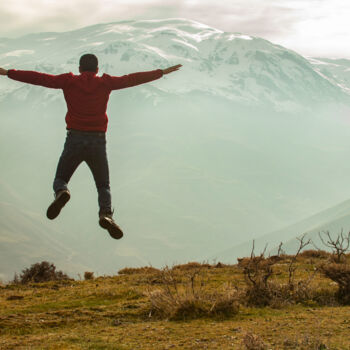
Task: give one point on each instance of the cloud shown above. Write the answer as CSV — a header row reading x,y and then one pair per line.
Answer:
x,y
308,26
251,16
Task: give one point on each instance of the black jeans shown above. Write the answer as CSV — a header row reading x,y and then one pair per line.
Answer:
x,y
91,148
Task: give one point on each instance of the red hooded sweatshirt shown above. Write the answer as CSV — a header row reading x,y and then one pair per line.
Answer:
x,y
86,94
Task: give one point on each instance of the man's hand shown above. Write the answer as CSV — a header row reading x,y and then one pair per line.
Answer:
x,y
3,71
171,69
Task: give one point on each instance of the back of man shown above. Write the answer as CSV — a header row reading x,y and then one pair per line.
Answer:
x,y
86,96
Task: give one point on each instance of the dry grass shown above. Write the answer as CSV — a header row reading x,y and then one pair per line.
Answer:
x,y
318,254
183,300
192,265
138,270
113,312
306,343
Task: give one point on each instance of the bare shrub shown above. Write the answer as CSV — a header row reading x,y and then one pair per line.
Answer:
x,y
40,272
178,300
253,342
339,245
138,270
262,291
88,275
339,273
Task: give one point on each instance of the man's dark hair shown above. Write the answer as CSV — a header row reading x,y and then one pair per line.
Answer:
x,y
88,62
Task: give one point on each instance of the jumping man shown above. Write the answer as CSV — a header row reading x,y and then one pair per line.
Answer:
x,y
86,96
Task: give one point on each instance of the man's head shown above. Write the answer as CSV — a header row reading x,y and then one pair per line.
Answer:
x,y
88,63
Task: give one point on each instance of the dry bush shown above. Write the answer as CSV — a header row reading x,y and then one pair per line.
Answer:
x,y
178,300
191,265
88,275
262,291
40,272
339,245
253,342
339,273
138,270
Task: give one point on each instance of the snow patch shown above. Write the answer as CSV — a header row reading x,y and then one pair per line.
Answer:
x,y
117,28
98,43
318,62
186,44
158,51
18,53
239,36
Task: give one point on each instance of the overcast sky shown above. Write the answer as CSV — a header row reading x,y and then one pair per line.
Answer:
x,y
310,27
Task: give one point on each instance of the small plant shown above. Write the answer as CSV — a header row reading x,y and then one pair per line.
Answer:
x,y
254,342
40,272
88,275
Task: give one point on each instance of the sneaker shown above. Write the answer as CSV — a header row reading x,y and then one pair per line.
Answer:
x,y
61,198
107,222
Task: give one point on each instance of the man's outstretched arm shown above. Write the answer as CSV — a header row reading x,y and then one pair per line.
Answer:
x,y
134,79
36,78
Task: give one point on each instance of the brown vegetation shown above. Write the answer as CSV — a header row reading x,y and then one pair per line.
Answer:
x,y
181,300
340,274
88,275
211,302
40,272
137,270
339,245
262,286
254,342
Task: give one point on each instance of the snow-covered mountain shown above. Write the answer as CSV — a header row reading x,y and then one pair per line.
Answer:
x,y
247,137
239,67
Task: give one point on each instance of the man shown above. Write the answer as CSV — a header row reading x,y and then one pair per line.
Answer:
x,y
86,96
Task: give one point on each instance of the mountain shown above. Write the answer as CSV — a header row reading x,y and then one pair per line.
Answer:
x,y
334,220
247,137
239,67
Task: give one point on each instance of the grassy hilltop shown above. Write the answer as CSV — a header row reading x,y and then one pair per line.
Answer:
x,y
280,302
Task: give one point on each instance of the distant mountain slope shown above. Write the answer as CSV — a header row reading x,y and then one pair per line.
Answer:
x,y
334,220
25,239
336,71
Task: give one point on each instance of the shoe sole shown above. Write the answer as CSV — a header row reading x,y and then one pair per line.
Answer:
x,y
114,231
55,208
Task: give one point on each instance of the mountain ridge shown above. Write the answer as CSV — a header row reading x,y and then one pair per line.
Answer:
x,y
242,68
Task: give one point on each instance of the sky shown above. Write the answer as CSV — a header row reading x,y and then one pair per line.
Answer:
x,y
310,27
